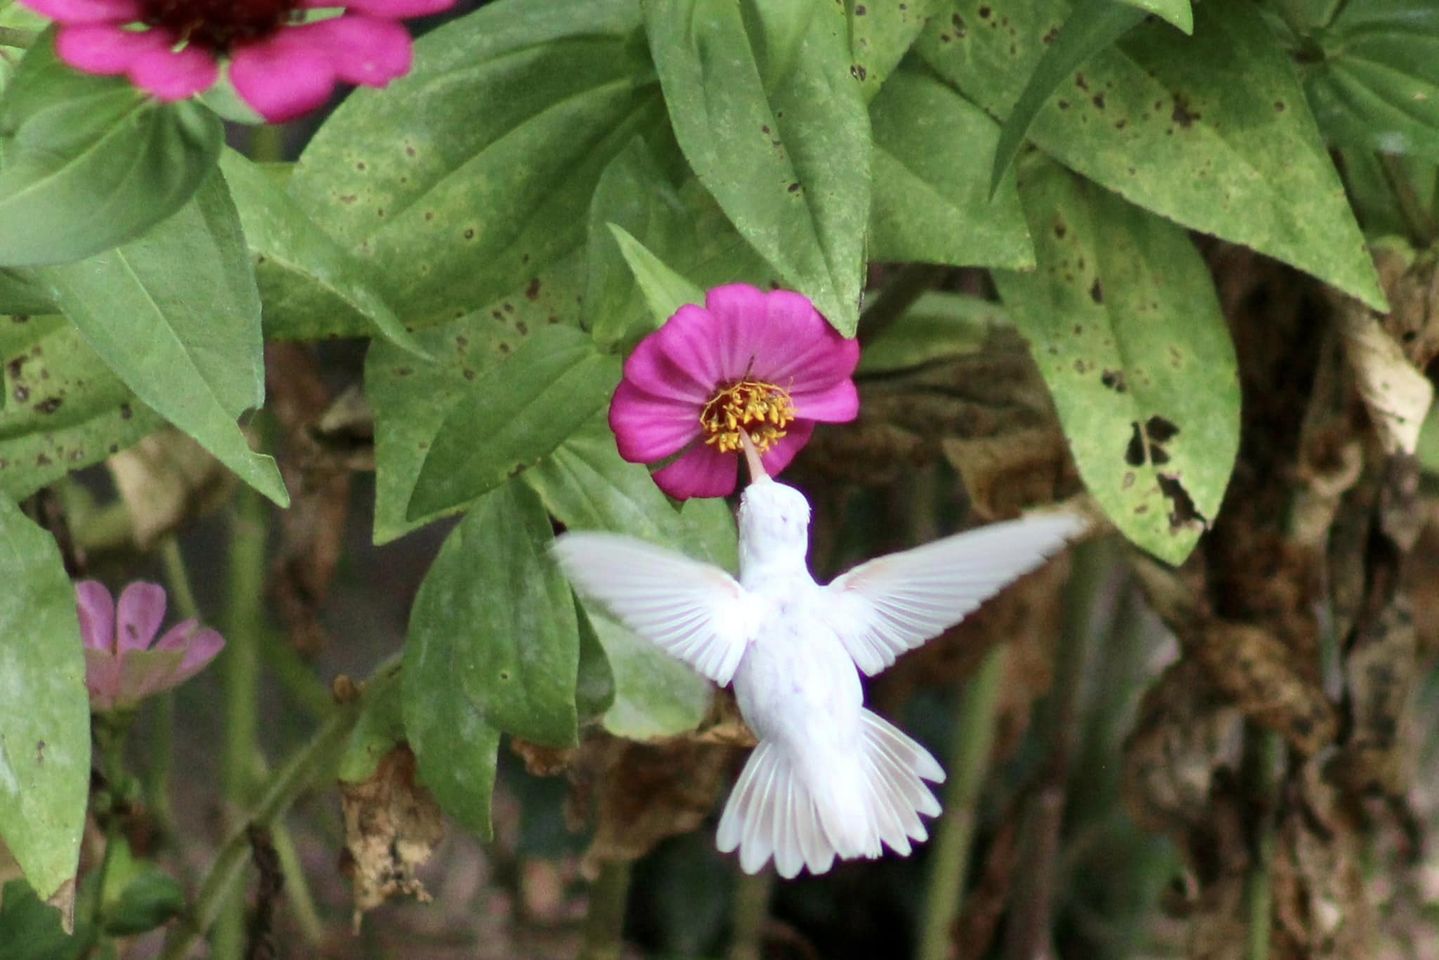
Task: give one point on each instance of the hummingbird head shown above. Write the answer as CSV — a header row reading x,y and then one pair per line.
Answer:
x,y
773,524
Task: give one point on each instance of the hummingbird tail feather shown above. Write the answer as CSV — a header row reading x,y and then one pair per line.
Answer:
x,y
774,812
771,812
895,770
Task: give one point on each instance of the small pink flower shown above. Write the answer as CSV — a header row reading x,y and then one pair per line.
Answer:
x,y
764,363
279,66
121,666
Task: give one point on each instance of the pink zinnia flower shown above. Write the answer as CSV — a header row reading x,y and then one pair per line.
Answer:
x,y
121,666
764,363
279,66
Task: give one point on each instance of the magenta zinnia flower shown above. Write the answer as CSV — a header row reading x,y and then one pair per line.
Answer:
x,y
764,363
279,66
122,667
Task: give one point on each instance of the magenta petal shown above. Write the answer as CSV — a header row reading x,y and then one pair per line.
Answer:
x,y
106,49
281,82
836,404
701,472
740,315
360,49
86,11
694,343
97,615
139,615
175,74
779,456
649,428
393,9
655,373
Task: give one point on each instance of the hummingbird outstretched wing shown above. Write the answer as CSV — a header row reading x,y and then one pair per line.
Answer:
x,y
691,610
894,603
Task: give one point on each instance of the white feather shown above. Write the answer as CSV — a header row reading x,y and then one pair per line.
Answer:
x,y
884,607
693,611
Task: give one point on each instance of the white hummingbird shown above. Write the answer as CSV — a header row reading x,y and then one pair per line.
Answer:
x,y
828,778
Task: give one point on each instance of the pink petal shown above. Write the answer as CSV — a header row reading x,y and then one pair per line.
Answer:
x,y
279,82
649,428
393,9
701,472
835,404
97,615
106,49
86,11
360,49
102,678
779,456
175,74
140,613
651,370
204,645
779,337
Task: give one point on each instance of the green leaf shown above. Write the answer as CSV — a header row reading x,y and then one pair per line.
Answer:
x,y
147,896
1210,131
64,409
665,291
21,292
515,414
91,162
44,708
30,929
790,167
594,681
931,201
939,326
880,34
1178,12
379,730
699,244
466,179
587,486
308,283
1093,26
176,315
1125,326
410,398
493,646
1376,85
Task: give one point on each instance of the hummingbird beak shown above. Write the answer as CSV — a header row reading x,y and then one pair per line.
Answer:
x,y
751,455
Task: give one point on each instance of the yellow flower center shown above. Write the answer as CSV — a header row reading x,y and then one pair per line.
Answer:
x,y
760,409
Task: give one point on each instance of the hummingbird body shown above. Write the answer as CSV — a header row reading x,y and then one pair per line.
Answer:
x,y
828,778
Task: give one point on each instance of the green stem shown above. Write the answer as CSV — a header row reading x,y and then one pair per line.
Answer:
x,y
314,760
1421,225
751,910
910,283
241,667
16,37
1262,753
973,741
605,918
162,707
297,887
178,578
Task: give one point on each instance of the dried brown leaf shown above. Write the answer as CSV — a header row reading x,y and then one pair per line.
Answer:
x,y
165,480
392,825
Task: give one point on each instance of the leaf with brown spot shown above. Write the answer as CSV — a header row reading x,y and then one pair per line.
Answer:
x,y
392,825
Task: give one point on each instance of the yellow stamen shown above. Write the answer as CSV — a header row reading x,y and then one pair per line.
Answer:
x,y
762,410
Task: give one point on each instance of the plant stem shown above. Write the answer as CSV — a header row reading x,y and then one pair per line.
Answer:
x,y
910,282
1262,752
16,37
241,666
178,578
314,760
605,919
1421,226
162,708
976,717
297,887
751,910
